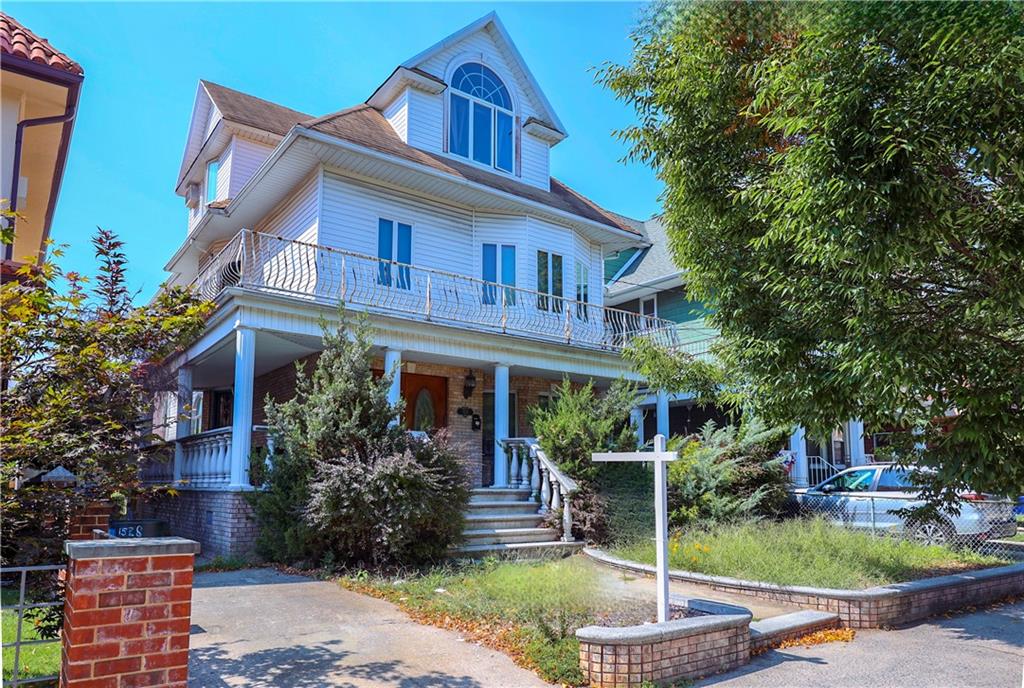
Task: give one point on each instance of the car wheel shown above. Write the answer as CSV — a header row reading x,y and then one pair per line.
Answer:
x,y
932,532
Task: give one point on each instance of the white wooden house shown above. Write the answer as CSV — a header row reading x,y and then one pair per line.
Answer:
x,y
431,208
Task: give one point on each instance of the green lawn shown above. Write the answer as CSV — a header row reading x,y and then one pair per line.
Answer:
x,y
806,552
36,660
529,610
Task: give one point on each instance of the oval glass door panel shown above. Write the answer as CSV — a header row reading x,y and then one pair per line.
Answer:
x,y
424,415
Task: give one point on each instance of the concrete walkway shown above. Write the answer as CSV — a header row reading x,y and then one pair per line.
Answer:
x,y
980,650
259,627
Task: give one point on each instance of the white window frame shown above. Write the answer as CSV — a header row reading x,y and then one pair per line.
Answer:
x,y
554,302
493,167
654,299
206,183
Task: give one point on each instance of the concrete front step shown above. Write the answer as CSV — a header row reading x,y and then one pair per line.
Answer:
x,y
496,494
502,507
501,521
502,536
526,550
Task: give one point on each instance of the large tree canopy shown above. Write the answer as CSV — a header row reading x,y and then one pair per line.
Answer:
x,y
843,187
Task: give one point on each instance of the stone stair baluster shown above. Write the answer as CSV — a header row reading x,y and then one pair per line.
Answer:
x,y
513,475
545,490
534,477
524,468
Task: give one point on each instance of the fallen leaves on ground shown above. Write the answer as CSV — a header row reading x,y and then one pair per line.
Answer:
x,y
829,635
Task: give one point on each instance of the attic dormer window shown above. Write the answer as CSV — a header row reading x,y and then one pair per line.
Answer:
x,y
480,117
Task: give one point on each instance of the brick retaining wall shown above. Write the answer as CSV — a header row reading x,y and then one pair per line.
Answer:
x,y
664,652
222,521
127,613
878,607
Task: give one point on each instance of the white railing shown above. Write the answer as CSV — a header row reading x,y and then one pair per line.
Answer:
x,y
820,469
322,274
528,466
206,458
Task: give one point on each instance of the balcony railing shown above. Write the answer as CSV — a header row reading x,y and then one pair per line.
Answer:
x,y
328,275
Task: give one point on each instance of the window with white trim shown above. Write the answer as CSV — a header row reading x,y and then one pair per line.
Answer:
x,y
480,117
212,168
549,281
582,289
649,307
394,248
499,270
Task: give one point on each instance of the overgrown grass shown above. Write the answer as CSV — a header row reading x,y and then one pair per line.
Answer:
x,y
35,660
529,610
806,552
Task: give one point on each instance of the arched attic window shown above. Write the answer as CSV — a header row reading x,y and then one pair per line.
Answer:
x,y
480,117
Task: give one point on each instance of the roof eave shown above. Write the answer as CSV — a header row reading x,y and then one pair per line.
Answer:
x,y
399,79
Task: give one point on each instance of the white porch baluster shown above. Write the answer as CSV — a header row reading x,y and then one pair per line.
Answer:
x,y
524,467
556,495
182,425
514,475
566,518
545,490
534,476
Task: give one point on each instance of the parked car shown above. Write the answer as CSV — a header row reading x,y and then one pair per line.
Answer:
x,y
883,498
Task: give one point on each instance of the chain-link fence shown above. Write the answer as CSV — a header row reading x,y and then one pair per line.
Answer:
x,y
986,526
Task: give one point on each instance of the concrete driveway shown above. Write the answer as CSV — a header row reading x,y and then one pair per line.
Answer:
x,y
980,650
259,627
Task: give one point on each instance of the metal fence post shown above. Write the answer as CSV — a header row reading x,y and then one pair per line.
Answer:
x,y
428,296
872,501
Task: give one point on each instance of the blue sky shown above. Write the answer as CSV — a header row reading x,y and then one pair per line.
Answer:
x,y
142,62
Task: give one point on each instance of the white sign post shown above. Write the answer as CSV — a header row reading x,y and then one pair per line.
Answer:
x,y
660,457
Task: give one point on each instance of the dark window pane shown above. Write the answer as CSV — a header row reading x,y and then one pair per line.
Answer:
x,y
385,228
482,116
503,142
404,255
542,279
556,281
458,126
490,272
508,272
894,479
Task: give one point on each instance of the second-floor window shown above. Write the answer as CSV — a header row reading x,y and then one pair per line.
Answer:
x,y
549,281
499,270
394,245
582,289
480,117
212,168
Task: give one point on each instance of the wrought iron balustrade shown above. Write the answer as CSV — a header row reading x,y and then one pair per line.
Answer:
x,y
323,274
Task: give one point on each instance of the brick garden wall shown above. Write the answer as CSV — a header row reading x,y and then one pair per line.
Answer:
x,y
95,516
127,613
665,652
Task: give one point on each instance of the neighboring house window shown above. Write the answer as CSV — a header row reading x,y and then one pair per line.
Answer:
x,y
649,307
497,272
394,248
582,290
212,168
480,117
549,281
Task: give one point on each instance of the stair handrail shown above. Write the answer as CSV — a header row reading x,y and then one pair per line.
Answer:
x,y
556,488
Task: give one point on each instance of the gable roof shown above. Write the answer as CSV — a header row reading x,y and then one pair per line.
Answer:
x,y
491,20
18,41
251,111
651,264
365,126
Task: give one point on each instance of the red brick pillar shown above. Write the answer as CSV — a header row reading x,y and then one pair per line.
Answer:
x,y
127,613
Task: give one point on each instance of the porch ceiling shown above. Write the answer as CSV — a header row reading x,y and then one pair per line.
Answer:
x,y
273,350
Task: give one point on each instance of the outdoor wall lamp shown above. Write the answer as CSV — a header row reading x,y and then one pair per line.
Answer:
x,y
468,385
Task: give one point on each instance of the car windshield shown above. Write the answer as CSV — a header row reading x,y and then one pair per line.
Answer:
x,y
854,481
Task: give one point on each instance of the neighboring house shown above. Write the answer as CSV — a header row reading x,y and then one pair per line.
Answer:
x,y
431,208
39,96
646,280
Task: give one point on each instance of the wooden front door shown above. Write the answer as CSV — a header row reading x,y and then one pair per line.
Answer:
x,y
426,401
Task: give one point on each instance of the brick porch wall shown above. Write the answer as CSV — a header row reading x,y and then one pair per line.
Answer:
x,y
221,521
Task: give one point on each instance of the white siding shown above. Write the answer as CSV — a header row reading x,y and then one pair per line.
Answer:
x,y
426,120
547,236
212,120
397,115
246,158
296,216
441,235
292,267
224,173
535,157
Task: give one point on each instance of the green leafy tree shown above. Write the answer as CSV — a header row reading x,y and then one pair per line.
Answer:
x,y
843,187
80,364
349,484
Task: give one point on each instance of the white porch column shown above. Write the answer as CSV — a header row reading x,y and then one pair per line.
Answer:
x,y
663,414
500,424
636,417
801,474
182,427
241,416
393,367
855,440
